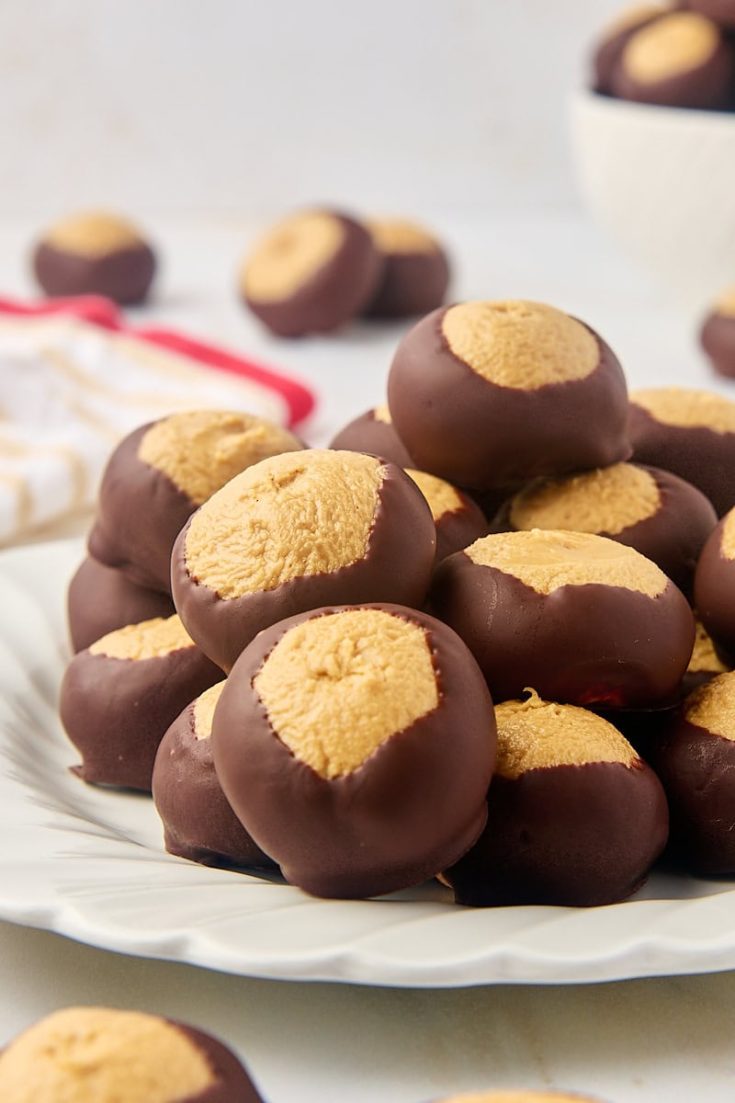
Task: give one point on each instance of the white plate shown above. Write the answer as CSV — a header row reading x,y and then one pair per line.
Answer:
x,y
90,864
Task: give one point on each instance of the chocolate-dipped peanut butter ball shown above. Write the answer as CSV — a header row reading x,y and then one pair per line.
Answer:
x,y
198,822
615,38
311,273
459,521
294,533
718,334
714,586
120,695
679,60
356,745
696,764
415,273
95,253
101,1055
373,432
101,599
581,618
688,432
575,817
487,394
161,473
519,1097
719,11
660,515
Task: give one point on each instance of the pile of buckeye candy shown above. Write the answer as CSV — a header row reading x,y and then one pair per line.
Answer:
x,y
459,643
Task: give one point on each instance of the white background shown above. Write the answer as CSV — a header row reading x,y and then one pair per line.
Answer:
x,y
246,106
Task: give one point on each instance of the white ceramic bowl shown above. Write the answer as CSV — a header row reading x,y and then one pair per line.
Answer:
x,y
661,180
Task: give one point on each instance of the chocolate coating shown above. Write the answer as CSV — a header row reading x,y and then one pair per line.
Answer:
x,y
705,86
584,645
397,567
387,825
337,292
697,770
124,275
701,456
198,822
477,434
116,711
714,593
367,433
672,538
460,528
718,341
719,11
130,491
577,836
233,1084
410,284
101,599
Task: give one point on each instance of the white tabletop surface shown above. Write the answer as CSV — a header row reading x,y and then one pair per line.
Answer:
x,y
642,1040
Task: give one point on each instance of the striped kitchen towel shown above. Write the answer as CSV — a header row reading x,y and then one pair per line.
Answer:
x,y
74,379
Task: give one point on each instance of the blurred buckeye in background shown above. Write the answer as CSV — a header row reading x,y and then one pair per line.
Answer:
x,y
688,432
373,432
158,476
718,334
311,273
415,273
294,533
197,820
660,515
714,586
615,37
101,599
490,394
120,695
679,60
99,1055
356,745
578,617
95,253
575,817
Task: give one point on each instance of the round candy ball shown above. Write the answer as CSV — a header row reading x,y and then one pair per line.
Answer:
x,y
415,273
581,618
718,334
101,599
99,1055
373,432
653,511
95,253
311,273
714,586
696,764
575,817
615,38
487,394
356,745
679,60
159,475
198,822
459,521
294,533
120,695
692,434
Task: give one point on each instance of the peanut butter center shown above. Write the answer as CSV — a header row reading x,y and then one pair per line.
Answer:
x,y
442,497
396,235
675,44
204,707
712,706
202,450
291,516
291,255
93,234
687,409
608,500
94,1055
705,659
521,345
382,413
537,734
545,560
338,686
151,639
